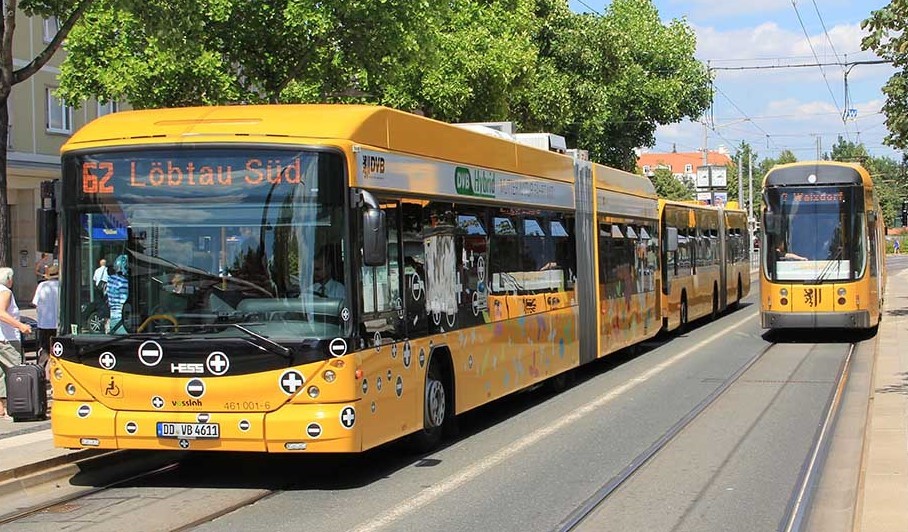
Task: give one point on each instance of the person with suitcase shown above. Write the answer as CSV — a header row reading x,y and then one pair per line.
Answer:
x,y
11,330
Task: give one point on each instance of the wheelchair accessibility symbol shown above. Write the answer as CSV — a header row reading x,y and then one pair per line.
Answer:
x,y
111,388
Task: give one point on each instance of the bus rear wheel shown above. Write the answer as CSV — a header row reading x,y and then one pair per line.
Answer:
x,y
437,411
683,326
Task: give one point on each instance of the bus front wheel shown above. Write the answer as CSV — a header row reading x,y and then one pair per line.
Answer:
x,y
437,406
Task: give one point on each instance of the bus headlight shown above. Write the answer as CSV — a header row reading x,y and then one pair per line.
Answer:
x,y
313,391
329,375
71,389
842,292
783,292
58,373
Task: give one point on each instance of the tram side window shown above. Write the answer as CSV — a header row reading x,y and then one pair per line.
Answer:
x,y
442,264
684,252
504,255
561,230
472,247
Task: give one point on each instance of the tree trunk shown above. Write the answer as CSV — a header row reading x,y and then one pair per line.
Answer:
x,y
5,227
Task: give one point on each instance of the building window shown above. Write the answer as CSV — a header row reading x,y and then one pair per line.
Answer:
x,y
107,108
59,115
51,27
688,168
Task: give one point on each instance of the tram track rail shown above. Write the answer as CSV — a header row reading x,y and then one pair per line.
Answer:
x,y
158,467
798,508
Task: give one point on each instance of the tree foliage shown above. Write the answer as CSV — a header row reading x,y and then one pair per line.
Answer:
x,y
68,13
889,177
591,78
670,187
887,37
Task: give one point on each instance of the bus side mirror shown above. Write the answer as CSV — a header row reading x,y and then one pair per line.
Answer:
x,y
47,230
671,239
375,238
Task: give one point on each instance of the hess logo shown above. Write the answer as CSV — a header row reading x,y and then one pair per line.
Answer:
x,y
187,367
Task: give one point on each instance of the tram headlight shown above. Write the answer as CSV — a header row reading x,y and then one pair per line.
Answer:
x,y
329,376
71,389
313,391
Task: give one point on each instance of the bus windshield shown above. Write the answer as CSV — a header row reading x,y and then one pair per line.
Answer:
x,y
201,240
814,234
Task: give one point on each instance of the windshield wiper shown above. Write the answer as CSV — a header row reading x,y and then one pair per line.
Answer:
x,y
828,268
93,348
269,345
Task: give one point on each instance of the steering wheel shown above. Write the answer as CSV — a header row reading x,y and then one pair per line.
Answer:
x,y
155,317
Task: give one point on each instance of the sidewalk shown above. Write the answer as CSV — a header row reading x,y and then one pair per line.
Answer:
x,y
882,496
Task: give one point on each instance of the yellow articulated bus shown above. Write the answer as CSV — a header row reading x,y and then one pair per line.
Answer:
x,y
822,262
706,261
329,278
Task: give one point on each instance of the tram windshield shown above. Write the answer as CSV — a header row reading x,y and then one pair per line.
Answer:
x,y
814,234
214,241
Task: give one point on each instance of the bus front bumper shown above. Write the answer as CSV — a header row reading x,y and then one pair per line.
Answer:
x,y
292,428
859,319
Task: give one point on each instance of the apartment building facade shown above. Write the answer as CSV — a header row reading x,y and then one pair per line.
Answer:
x,y
40,123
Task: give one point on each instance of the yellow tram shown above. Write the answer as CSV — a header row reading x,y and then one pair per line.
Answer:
x,y
822,259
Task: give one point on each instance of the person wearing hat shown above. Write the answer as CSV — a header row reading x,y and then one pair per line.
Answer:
x,y
47,302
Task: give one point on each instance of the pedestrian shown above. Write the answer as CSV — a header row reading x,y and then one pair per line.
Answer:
x,y
896,247
41,265
47,302
117,294
11,330
101,276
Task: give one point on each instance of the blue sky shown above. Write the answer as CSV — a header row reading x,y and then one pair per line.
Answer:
x,y
776,109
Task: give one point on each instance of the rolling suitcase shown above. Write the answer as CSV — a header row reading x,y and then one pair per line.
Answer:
x,y
26,392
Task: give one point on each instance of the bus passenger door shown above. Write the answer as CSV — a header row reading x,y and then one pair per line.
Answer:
x,y
382,304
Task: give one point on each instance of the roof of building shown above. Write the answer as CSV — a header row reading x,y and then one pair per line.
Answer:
x,y
678,160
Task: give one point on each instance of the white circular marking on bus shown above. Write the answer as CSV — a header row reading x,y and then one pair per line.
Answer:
x,y
399,388
416,287
57,349
131,427
84,411
348,417
157,402
203,418
422,357
377,340
378,383
314,430
345,314
184,444
107,360
291,381
407,354
150,353
812,178
195,388
243,425
365,386
337,347
439,489
217,363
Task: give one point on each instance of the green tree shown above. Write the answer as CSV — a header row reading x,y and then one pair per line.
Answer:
x,y
68,13
158,53
670,187
887,37
604,86
888,177
746,155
